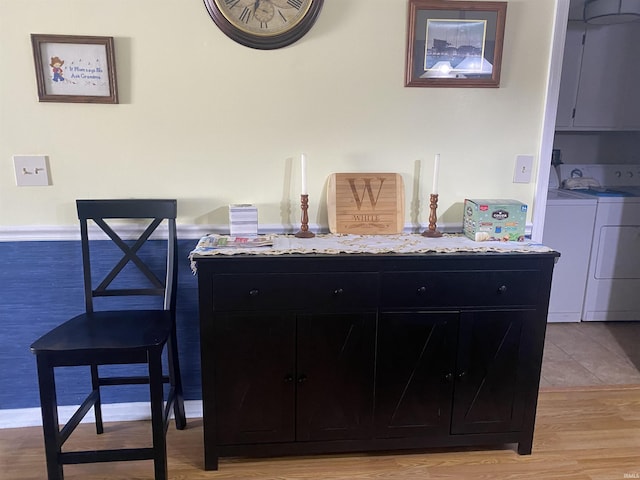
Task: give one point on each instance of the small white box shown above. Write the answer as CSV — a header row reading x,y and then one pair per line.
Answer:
x,y
243,220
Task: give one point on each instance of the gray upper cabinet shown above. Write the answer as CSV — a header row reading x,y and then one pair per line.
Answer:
x,y
600,85
570,74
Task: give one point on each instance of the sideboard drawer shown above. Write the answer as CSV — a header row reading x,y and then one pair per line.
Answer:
x,y
461,289
320,291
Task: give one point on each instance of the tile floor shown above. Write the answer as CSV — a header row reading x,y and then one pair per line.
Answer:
x,y
591,353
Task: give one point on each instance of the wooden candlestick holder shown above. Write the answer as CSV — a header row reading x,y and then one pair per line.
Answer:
x,y
432,232
304,226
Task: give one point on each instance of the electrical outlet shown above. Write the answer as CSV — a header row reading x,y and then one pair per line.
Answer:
x,y
31,170
522,172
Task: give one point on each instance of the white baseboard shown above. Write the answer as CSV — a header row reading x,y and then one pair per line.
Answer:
x,y
111,412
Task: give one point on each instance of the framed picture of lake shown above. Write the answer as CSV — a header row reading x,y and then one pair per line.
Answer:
x,y
76,69
454,43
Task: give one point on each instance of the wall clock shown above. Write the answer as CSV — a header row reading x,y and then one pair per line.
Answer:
x,y
264,24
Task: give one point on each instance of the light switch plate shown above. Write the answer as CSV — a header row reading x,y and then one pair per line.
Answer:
x,y
522,172
31,170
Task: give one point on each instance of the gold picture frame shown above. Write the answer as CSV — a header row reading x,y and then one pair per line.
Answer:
x,y
454,43
75,69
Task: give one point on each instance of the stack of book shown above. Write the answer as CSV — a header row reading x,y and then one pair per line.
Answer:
x,y
243,219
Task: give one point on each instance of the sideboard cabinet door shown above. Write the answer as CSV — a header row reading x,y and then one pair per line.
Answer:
x,y
490,381
414,373
254,373
282,378
336,354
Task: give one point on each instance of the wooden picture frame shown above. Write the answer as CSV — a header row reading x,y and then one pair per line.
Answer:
x,y
75,69
454,43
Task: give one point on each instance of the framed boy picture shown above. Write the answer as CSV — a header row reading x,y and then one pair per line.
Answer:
x,y
76,69
454,43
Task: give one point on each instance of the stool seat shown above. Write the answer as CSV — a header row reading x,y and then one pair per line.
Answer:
x,y
105,331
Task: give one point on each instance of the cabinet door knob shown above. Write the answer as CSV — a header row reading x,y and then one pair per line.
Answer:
x,y
338,291
421,290
254,292
502,289
302,378
448,377
462,375
288,378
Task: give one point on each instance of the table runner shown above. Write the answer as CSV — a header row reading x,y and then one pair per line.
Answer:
x,y
349,243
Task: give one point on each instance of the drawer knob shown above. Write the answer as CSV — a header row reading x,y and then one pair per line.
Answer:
x,y
421,290
338,291
254,292
502,289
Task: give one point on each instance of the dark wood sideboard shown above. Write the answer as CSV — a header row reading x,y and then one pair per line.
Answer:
x,y
314,353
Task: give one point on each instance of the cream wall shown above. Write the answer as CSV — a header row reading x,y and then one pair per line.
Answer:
x,y
210,122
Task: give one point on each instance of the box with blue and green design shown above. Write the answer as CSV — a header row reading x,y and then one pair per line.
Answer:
x,y
494,219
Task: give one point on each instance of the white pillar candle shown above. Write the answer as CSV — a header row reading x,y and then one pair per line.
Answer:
x,y
303,168
436,170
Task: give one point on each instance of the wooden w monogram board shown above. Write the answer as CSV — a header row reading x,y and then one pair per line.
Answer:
x,y
365,203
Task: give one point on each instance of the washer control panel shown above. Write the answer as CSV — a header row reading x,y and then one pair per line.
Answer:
x,y
615,175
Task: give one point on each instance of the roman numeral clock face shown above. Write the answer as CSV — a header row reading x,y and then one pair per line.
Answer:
x,y
264,24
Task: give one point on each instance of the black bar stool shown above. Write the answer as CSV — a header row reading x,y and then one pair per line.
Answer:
x,y
117,337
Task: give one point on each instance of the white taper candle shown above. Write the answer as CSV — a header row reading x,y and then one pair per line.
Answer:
x,y
436,170
303,168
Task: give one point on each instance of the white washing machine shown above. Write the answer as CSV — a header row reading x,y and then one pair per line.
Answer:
x,y
568,229
613,279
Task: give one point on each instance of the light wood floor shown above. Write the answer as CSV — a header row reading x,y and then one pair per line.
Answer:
x,y
590,433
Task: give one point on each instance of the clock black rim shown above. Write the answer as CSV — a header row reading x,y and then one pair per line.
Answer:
x,y
266,42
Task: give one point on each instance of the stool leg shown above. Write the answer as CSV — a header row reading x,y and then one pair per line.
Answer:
x,y
50,424
157,415
176,381
97,407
